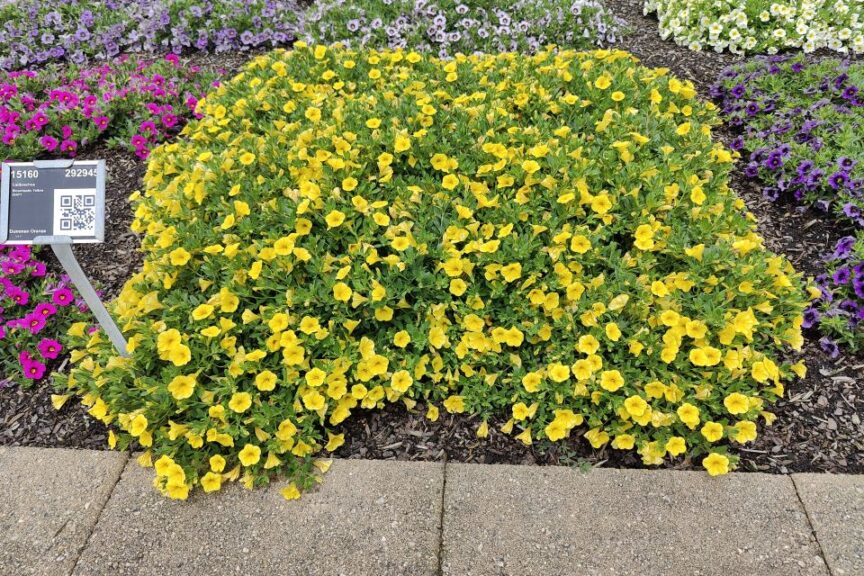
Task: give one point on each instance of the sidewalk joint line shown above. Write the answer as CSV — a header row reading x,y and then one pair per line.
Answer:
x,y
812,527
441,519
99,515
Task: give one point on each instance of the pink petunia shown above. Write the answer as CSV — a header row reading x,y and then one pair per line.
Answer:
x,y
34,323
49,349
33,370
45,310
49,143
39,270
63,297
138,141
69,147
19,296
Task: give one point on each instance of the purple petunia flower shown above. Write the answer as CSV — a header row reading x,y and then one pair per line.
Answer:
x,y
841,276
846,164
774,161
858,286
838,180
829,347
811,318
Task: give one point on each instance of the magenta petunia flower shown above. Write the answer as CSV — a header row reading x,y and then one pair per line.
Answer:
x,y
63,297
11,268
49,143
49,348
19,296
69,147
45,310
148,127
34,323
33,370
39,270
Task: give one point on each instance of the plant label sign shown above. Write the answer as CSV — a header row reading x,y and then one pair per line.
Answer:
x,y
59,203
52,198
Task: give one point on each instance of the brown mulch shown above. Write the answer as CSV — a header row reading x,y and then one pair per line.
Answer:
x,y
819,423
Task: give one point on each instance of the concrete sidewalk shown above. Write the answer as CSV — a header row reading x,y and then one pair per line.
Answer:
x,y
65,512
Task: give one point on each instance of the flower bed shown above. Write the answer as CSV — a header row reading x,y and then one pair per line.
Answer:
x,y
839,311
762,26
36,310
801,123
129,102
550,237
448,27
40,31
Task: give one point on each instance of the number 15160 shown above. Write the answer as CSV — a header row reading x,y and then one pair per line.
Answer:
x,y
28,173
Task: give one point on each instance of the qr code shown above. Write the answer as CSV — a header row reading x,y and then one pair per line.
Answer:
x,y
75,212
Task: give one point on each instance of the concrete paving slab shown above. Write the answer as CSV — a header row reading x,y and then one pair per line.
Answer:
x,y
366,518
50,500
524,520
835,505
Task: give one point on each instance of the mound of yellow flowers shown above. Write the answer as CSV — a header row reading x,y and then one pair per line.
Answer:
x,y
548,238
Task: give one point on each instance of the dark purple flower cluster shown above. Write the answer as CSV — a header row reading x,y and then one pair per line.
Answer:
x,y
800,122
839,311
128,102
36,310
34,32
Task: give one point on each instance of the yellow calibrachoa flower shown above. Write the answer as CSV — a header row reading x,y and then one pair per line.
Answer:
x,y
531,381
676,446
689,414
745,431
716,464
138,425
211,482
455,404
401,339
635,406
558,372
712,431
343,229
335,218
203,311
240,402
249,455
217,463
401,381
342,292
450,182
182,387
736,403
179,257
611,380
